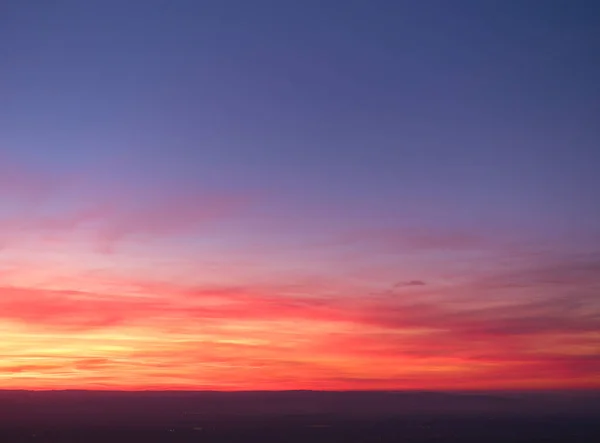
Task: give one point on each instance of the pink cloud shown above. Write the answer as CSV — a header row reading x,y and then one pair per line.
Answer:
x,y
173,216
108,220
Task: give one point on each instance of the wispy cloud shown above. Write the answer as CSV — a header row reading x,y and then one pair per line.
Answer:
x,y
411,239
72,207
410,283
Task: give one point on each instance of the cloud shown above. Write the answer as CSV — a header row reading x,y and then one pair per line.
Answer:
x,y
173,216
552,296
416,239
72,208
553,314
410,283
81,311
484,307
70,310
39,368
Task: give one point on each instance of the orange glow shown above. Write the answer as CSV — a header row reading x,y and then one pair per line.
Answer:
x,y
253,338
133,296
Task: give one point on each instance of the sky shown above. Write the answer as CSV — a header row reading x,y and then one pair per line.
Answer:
x,y
275,194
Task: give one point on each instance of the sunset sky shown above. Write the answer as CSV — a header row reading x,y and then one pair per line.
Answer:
x,y
315,194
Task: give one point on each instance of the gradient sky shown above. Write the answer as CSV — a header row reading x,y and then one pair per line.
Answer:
x,y
314,194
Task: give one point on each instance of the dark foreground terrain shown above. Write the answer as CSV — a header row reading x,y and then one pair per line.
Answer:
x,y
296,417
329,429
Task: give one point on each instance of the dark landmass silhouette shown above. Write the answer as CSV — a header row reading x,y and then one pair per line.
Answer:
x,y
298,417
185,408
